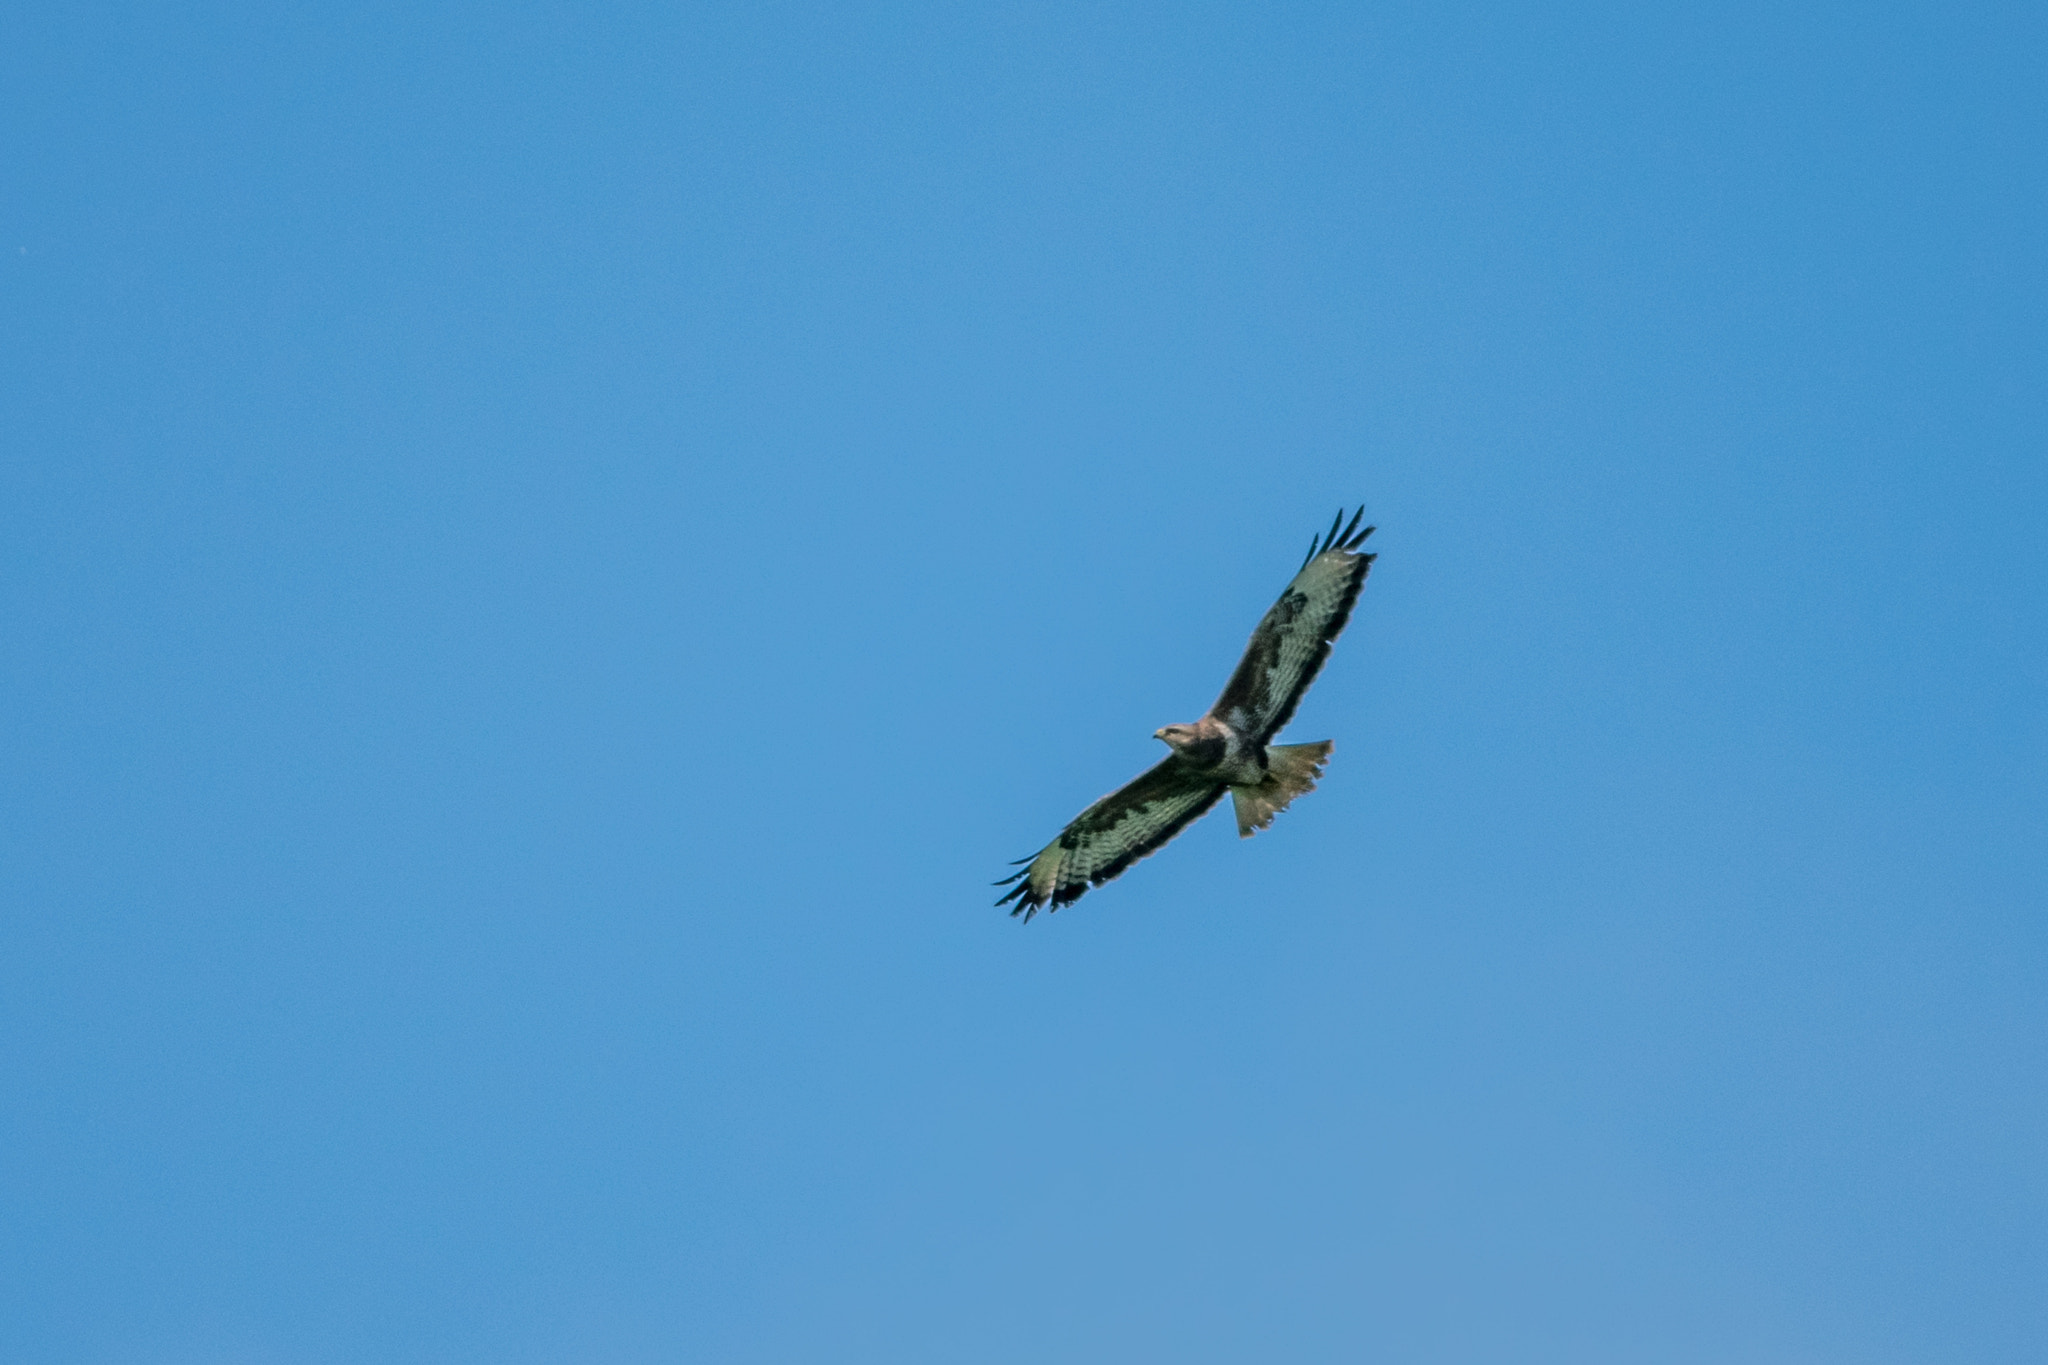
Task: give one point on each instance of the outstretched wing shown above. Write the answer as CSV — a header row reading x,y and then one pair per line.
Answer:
x,y
1132,821
1294,638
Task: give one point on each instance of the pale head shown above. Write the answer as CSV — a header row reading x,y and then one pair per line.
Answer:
x,y
1176,737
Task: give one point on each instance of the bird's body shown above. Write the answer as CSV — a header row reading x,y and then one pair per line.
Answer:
x,y
1228,749
1210,746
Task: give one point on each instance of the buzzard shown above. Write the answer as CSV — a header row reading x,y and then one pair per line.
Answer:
x,y
1227,749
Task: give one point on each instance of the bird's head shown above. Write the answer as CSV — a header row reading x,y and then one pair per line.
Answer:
x,y
1175,737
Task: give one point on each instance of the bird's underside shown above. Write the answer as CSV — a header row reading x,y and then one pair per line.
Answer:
x,y
1228,749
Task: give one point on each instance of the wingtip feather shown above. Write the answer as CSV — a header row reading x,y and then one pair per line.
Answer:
x,y
1342,535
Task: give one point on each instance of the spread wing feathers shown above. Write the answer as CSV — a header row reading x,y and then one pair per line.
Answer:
x,y
1294,638
1132,821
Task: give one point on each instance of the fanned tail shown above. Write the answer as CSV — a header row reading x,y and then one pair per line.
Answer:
x,y
1291,769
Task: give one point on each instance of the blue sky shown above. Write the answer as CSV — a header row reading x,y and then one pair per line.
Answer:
x,y
551,554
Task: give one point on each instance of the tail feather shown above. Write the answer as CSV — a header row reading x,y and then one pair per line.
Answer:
x,y
1291,769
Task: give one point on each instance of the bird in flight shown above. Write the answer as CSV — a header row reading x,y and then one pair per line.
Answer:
x,y
1227,749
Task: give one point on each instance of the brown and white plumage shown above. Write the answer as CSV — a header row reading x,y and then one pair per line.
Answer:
x,y
1228,749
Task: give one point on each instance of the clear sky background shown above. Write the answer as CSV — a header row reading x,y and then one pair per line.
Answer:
x,y
549,554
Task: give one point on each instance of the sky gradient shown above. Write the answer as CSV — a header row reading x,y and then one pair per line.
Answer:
x,y
551,555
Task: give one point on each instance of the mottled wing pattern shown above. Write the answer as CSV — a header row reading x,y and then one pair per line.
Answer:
x,y
1294,638
1110,835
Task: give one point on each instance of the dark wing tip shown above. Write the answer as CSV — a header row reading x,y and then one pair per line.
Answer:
x,y
1341,536
1027,900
